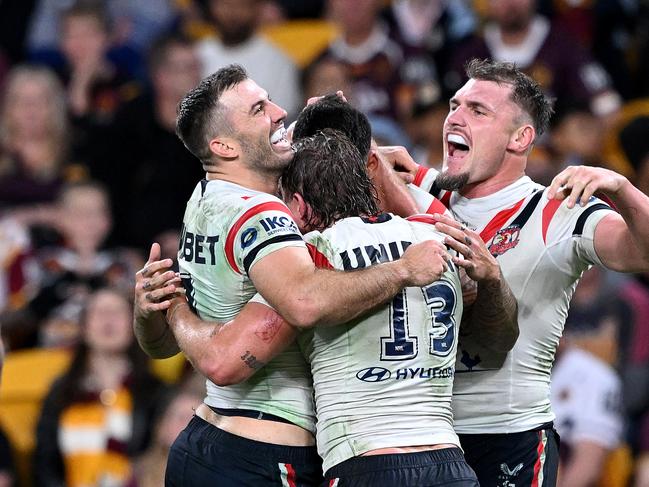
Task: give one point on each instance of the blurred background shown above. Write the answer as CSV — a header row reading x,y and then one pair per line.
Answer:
x,y
91,174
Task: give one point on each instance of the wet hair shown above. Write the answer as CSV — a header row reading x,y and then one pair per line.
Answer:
x,y
526,92
334,113
330,174
201,116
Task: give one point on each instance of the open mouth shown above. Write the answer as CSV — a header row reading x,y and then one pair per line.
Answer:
x,y
279,137
458,147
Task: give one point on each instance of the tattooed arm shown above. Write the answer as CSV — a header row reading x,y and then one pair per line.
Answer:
x,y
493,318
232,352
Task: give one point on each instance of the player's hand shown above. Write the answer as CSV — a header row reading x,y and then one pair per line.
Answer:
x,y
424,262
392,193
579,183
476,259
399,158
155,285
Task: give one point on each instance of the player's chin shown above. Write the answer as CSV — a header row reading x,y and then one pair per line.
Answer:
x,y
283,154
281,148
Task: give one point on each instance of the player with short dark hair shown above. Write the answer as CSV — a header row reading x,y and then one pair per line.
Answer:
x,y
501,399
237,240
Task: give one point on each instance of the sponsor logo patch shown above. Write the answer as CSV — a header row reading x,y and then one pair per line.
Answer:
x,y
380,374
373,374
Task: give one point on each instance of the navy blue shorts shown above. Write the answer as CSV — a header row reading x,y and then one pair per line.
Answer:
x,y
432,468
204,455
526,459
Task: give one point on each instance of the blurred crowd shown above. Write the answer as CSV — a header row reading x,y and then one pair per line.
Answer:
x,y
91,173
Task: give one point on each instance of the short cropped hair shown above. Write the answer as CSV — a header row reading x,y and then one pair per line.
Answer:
x,y
330,174
332,112
526,92
201,116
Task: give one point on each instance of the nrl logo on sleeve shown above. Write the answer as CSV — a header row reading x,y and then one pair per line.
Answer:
x,y
506,239
248,237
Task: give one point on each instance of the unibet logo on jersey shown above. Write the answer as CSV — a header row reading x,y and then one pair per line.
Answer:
x,y
198,248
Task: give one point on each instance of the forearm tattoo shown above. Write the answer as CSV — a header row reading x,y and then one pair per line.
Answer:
x,y
494,317
251,361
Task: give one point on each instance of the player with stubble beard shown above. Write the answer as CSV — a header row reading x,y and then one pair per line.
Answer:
x,y
543,239
237,240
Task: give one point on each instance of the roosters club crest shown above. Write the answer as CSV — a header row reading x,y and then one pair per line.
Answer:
x,y
504,240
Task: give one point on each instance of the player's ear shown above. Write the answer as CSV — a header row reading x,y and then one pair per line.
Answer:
x,y
522,138
300,209
224,148
372,162
301,205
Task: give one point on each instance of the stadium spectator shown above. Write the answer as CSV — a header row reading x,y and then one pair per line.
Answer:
x,y
134,25
149,150
15,251
564,69
428,33
586,395
604,28
34,137
99,414
178,407
96,86
586,387
239,42
327,75
576,137
71,269
380,81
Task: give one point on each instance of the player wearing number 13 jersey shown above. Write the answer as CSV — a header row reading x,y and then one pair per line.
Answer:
x,y
384,380
383,383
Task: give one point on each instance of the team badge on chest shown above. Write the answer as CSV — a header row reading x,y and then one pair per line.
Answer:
x,y
504,240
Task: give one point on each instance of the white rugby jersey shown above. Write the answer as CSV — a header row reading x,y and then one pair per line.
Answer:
x,y
542,248
384,380
586,396
227,229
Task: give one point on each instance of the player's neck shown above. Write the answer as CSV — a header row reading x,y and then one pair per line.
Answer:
x,y
263,182
489,186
